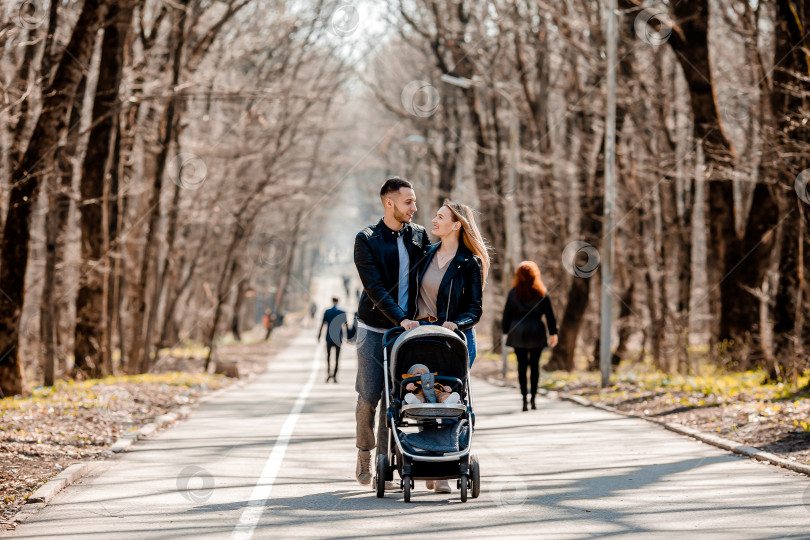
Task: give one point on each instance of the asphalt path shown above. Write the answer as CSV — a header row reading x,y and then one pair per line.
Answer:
x,y
276,459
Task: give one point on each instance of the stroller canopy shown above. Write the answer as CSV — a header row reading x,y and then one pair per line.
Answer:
x,y
441,350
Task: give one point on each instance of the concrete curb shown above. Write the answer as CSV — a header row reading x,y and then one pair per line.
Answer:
x,y
43,495
726,444
40,498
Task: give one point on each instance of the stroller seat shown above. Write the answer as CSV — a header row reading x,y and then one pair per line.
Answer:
x,y
433,410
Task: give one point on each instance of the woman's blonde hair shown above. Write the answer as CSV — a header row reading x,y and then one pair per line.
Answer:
x,y
470,234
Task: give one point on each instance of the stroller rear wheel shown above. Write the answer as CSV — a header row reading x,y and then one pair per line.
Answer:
x,y
382,469
475,477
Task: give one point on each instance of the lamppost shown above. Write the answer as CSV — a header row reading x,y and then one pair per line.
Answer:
x,y
610,197
510,209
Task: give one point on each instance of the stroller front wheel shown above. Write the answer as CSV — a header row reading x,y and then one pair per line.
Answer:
x,y
406,487
382,469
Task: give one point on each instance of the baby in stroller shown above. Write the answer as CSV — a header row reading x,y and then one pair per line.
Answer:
x,y
416,393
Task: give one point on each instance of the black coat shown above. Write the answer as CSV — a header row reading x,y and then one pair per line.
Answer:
x,y
523,322
334,319
377,260
459,299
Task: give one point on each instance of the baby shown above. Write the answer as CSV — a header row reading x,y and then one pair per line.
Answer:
x,y
444,394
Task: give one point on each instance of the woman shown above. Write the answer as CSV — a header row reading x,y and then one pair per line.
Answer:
x,y
522,322
452,274
451,281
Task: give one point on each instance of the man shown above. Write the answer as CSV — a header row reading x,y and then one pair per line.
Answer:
x,y
334,319
386,256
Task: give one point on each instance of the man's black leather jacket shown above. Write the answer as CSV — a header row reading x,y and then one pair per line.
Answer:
x,y
377,260
459,298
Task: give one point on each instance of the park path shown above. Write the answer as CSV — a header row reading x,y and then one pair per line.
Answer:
x,y
275,459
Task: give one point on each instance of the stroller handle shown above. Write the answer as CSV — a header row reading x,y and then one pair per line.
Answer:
x,y
394,332
397,330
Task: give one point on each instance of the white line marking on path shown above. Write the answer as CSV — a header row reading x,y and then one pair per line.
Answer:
x,y
261,493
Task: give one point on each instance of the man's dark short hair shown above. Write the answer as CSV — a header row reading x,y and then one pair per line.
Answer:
x,y
335,299
395,183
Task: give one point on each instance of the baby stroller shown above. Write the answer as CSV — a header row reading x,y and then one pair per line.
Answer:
x,y
440,449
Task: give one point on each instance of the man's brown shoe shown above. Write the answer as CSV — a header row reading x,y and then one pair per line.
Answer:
x,y
363,471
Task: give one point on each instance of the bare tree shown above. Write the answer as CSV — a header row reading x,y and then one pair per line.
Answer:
x,y
91,318
27,174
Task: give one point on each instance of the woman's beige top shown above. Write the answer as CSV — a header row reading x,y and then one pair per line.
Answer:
x,y
429,288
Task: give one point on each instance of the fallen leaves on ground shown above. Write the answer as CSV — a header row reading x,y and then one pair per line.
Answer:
x,y
57,426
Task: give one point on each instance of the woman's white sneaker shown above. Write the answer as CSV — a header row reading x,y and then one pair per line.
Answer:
x,y
442,486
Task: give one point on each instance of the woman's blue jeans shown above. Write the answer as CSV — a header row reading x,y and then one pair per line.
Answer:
x,y
469,334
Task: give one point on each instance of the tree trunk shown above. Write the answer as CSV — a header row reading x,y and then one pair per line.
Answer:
x,y
624,322
691,45
160,283
60,183
536,188
660,335
112,259
90,313
223,288
450,154
790,107
138,358
22,79
286,269
236,318
47,324
591,192
736,265
745,272
628,266
27,175
683,256
167,332
292,245
592,202
490,203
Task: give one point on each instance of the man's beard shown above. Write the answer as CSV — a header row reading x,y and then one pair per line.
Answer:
x,y
402,217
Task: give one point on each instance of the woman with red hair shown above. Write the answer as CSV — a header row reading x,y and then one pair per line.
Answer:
x,y
522,322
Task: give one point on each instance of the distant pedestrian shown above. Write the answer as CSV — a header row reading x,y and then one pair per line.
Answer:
x,y
313,309
347,281
526,306
334,319
268,322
